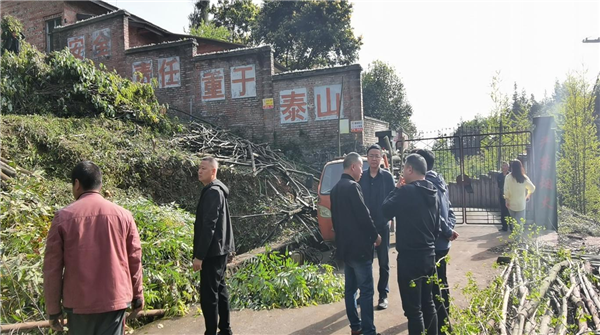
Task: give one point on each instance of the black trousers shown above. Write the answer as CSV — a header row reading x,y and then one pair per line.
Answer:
x,y
383,256
109,323
504,214
214,297
442,291
416,290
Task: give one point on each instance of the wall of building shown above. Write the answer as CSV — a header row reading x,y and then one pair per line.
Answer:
x,y
372,126
101,39
235,89
308,126
33,16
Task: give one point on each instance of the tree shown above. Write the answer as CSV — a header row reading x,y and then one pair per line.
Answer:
x,y
209,30
384,96
579,158
200,14
238,17
308,34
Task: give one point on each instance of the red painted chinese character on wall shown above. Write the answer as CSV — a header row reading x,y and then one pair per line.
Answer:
x,y
212,84
547,183
292,105
243,81
101,44
77,46
144,68
543,141
545,163
328,102
547,203
168,72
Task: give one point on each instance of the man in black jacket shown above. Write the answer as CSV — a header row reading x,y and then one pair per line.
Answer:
x,y
414,204
355,237
504,214
376,183
213,241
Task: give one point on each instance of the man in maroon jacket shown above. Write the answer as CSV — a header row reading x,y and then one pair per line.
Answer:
x,y
93,260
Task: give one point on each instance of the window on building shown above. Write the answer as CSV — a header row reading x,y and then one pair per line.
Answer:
x,y
50,25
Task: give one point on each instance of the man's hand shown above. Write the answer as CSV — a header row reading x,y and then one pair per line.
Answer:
x,y
454,236
378,240
197,264
138,306
57,322
507,205
401,182
528,197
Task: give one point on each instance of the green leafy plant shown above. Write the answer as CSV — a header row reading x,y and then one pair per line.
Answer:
x,y
59,83
165,232
273,280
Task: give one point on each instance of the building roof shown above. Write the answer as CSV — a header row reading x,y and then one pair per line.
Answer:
x,y
137,21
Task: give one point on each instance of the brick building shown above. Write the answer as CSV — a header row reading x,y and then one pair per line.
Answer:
x,y
229,85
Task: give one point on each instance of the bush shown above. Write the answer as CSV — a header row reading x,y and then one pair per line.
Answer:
x,y
165,231
272,280
59,83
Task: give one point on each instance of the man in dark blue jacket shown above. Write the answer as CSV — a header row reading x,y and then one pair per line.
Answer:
x,y
442,243
355,238
376,184
414,204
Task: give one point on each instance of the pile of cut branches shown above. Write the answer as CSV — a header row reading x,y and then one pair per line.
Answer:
x,y
556,297
541,290
259,159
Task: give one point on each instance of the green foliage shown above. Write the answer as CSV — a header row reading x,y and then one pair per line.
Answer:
x,y
210,30
166,233
572,222
28,205
200,14
59,83
12,29
238,17
273,280
384,96
308,34
483,147
26,215
579,158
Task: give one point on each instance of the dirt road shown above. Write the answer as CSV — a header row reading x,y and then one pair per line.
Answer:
x,y
470,253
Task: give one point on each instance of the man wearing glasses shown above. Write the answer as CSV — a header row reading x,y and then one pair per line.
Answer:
x,y
376,184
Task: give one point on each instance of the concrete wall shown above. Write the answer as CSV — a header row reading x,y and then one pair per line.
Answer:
x,y
372,126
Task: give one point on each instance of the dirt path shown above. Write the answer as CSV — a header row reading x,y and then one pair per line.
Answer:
x,y
470,253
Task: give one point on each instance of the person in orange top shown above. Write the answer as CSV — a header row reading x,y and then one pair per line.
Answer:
x,y
93,260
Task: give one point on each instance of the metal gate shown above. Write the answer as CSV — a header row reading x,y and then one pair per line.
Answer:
x,y
470,164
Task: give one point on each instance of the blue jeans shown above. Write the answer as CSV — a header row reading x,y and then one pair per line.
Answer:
x,y
359,275
519,216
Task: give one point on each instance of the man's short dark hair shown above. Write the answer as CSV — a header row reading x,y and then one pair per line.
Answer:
x,y
212,161
88,174
374,147
428,155
417,162
351,159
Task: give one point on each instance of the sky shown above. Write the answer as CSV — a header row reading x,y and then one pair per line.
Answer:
x,y
448,52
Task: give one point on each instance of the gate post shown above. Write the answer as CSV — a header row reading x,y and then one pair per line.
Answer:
x,y
544,165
